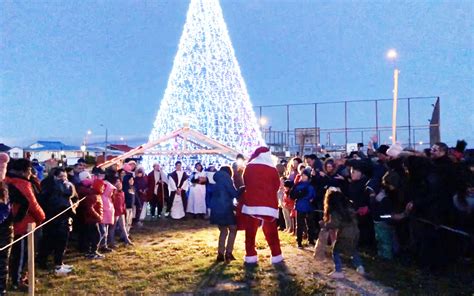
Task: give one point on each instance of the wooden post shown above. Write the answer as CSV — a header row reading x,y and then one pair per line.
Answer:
x,y
31,259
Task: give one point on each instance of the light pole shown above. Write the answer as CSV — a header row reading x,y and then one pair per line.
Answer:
x,y
83,149
392,55
106,140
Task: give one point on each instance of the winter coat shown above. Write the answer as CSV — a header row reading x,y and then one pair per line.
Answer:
x,y
91,208
108,205
25,208
221,203
375,182
288,203
304,194
426,195
381,204
56,199
131,199
358,194
39,171
261,186
119,203
347,233
141,186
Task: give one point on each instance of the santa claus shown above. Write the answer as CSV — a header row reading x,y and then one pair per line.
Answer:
x,y
260,204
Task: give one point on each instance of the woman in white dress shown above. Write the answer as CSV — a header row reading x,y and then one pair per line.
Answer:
x,y
197,192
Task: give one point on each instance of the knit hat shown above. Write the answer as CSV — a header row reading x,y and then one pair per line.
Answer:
x,y
383,149
259,151
394,150
84,175
4,158
288,184
361,165
307,173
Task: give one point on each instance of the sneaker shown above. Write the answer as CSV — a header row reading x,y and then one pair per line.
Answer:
x,y
106,250
96,256
60,270
336,275
71,267
360,270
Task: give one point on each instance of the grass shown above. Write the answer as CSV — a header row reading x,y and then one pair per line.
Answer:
x,y
175,257
179,257
408,280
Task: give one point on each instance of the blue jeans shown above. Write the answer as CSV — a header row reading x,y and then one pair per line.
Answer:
x,y
338,262
104,230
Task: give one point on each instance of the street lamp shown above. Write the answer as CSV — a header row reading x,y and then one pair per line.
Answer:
x,y
263,121
392,55
106,140
83,149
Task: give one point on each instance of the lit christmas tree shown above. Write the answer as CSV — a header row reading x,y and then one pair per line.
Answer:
x,y
205,90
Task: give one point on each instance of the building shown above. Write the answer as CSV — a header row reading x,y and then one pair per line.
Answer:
x,y
44,150
4,148
13,152
16,152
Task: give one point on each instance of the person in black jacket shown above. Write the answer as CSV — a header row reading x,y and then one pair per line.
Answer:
x,y
424,192
57,197
359,193
6,235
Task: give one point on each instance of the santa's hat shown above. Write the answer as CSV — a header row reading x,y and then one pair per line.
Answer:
x,y
258,151
4,158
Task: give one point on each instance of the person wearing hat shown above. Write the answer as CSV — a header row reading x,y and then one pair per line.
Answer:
x,y
259,205
304,194
25,209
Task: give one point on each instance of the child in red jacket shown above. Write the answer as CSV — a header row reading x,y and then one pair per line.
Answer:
x,y
289,207
120,210
92,216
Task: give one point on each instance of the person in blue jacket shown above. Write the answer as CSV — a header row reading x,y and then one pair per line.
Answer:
x,y
304,194
39,169
222,212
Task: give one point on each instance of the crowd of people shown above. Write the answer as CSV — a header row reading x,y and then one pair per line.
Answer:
x,y
415,206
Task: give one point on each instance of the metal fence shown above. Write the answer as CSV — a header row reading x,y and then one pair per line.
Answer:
x,y
338,125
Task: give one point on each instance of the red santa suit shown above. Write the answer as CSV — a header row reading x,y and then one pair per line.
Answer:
x,y
260,204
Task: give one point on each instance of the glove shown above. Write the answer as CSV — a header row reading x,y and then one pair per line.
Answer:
x,y
362,211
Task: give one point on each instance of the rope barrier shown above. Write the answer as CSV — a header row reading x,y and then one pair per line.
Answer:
x,y
41,225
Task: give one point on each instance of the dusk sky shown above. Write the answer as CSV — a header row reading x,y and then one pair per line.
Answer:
x,y
69,66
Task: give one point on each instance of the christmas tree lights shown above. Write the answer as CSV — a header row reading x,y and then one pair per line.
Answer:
x,y
206,91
